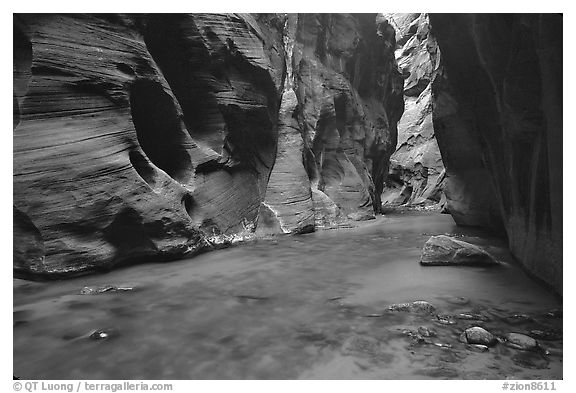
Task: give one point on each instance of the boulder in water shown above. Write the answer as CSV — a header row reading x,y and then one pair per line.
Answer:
x,y
443,250
419,307
478,335
521,341
95,290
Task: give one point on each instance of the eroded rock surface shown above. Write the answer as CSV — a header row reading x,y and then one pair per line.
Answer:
x,y
150,137
350,93
121,155
416,170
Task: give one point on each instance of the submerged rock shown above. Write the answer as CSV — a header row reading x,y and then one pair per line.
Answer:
x,y
521,341
102,334
95,290
445,319
419,306
443,250
532,360
554,314
361,345
477,347
547,335
517,319
472,317
426,332
478,335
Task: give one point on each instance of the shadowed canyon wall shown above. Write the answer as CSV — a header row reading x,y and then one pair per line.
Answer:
x,y
498,121
141,137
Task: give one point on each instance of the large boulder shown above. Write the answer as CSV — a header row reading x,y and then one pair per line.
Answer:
x,y
446,251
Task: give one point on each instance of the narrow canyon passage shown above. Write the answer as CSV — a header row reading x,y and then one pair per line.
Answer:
x,y
287,196
312,306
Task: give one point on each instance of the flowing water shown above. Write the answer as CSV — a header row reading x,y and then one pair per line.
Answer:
x,y
308,307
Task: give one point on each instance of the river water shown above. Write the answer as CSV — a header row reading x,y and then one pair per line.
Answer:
x,y
290,307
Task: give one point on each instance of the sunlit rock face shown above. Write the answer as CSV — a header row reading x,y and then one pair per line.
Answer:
x,y
416,170
498,105
139,137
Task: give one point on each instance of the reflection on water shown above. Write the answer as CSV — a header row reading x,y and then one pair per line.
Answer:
x,y
311,306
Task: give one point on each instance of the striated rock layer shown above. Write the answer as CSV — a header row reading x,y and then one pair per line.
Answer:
x,y
416,170
137,135
498,120
144,136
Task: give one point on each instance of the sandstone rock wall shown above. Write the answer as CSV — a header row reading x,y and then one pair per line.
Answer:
x,y
350,93
416,170
502,91
137,136
140,137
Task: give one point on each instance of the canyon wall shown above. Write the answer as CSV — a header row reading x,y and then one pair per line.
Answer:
x,y
343,78
151,137
498,120
417,174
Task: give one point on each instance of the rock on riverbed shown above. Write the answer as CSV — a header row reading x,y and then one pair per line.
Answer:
x,y
521,341
419,306
478,335
443,250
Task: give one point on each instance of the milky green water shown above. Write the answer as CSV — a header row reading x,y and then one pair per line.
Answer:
x,y
293,307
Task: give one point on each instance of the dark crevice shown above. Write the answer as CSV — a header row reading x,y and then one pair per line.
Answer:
x,y
128,234
159,129
125,68
191,73
28,245
197,71
143,167
189,204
